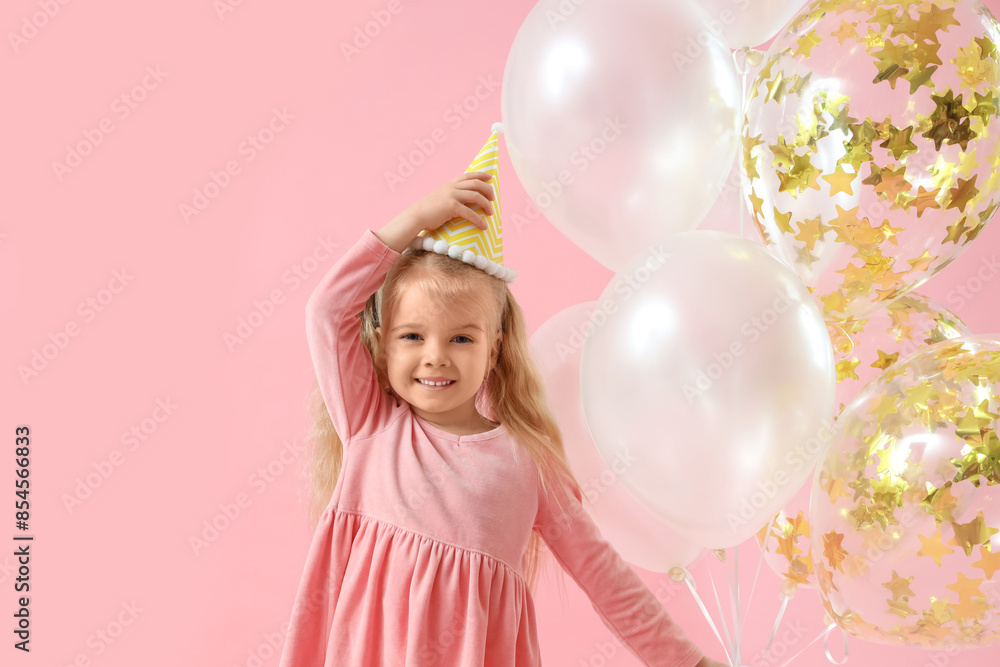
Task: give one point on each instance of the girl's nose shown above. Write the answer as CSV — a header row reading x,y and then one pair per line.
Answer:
x,y
434,353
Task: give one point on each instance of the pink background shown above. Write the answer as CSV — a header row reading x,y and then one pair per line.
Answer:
x,y
238,411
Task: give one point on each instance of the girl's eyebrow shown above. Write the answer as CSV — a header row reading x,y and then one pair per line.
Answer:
x,y
410,325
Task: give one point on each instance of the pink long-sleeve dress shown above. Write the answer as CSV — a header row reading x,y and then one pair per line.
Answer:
x,y
418,560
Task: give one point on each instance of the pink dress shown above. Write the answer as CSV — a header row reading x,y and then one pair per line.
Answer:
x,y
419,558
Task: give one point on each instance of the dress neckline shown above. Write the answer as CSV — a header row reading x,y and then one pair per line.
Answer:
x,y
471,437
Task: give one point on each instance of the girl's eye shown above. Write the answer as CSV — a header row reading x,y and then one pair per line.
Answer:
x,y
406,337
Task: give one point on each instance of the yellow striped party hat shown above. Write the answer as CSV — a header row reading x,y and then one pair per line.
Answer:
x,y
460,239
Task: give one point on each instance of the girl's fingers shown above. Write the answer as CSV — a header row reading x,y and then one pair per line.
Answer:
x,y
470,197
480,180
472,216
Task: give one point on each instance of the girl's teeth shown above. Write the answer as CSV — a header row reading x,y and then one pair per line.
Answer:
x,y
434,384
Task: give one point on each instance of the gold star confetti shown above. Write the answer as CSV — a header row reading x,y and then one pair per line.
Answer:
x,y
970,608
968,535
946,119
940,18
939,613
933,547
940,503
806,43
845,369
885,360
811,231
987,48
782,220
955,231
888,182
836,490
832,550
899,143
921,263
775,88
840,181
988,562
966,588
962,193
783,153
926,199
889,232
900,607
920,77
845,32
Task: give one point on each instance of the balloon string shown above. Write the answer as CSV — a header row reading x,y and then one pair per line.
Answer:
x,y
818,637
689,580
734,599
826,648
777,621
763,548
722,616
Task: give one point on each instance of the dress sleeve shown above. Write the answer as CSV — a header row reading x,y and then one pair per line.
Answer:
x,y
625,605
342,363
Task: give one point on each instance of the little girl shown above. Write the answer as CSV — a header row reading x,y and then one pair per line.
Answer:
x,y
443,468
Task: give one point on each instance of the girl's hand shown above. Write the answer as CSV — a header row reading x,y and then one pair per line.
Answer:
x,y
454,199
451,200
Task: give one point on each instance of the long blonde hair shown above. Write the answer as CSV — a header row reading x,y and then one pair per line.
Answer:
x,y
513,394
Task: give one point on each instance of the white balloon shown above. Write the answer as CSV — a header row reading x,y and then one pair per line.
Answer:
x,y
716,369
621,119
749,22
641,537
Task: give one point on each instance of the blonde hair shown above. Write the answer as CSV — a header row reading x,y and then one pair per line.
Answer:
x,y
513,393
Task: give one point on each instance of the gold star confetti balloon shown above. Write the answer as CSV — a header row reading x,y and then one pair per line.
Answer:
x,y
865,347
785,544
905,506
871,144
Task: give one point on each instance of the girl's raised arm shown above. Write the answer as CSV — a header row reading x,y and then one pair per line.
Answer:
x,y
343,365
344,369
